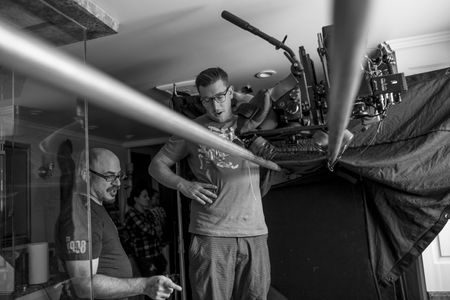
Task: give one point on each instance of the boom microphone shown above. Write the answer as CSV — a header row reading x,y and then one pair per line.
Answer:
x,y
246,26
236,20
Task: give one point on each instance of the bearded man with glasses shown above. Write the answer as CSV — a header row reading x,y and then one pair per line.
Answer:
x,y
228,255
108,262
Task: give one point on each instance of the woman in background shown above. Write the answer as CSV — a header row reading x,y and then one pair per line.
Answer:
x,y
144,223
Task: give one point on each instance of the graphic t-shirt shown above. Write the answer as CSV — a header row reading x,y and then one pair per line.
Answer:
x,y
71,238
237,211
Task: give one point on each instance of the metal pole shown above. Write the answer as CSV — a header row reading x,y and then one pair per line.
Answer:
x,y
181,239
37,59
348,45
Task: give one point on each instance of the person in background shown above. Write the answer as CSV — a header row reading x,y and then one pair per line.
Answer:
x,y
145,223
110,267
228,254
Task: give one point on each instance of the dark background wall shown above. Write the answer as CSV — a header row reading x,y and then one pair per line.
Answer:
x,y
318,242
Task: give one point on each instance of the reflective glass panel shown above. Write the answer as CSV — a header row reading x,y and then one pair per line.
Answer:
x,y
43,139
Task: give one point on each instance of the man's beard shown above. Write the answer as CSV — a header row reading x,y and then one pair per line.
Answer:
x,y
111,193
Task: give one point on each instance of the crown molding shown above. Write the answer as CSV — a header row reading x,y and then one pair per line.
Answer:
x,y
145,142
419,40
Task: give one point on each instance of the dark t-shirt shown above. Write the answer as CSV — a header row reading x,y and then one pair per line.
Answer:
x,y
72,238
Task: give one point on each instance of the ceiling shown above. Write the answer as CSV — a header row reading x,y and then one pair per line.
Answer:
x,y
163,42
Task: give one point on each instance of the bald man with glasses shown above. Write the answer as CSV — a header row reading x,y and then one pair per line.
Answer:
x,y
111,269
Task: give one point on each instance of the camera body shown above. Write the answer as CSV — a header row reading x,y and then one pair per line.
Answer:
x,y
300,102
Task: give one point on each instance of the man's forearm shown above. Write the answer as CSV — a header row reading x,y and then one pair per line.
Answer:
x,y
106,287
164,175
199,191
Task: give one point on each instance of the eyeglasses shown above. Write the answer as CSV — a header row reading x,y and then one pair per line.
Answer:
x,y
219,98
110,178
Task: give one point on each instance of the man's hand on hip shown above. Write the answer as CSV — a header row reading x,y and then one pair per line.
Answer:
x,y
204,193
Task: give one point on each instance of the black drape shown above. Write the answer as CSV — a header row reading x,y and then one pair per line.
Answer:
x,y
405,167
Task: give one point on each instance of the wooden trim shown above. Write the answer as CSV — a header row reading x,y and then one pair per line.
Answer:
x,y
145,142
439,295
420,40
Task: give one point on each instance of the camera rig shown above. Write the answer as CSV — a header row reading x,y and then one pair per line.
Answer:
x,y
300,100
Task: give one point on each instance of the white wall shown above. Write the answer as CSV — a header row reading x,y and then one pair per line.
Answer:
x,y
423,53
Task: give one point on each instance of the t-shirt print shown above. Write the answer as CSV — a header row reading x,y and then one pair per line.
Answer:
x,y
208,155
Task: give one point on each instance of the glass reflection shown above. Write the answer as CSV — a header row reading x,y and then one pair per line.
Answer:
x,y
43,130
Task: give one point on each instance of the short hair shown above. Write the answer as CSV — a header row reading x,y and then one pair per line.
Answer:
x,y
211,75
136,192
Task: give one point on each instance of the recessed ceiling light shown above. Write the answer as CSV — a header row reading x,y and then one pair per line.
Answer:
x,y
265,73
